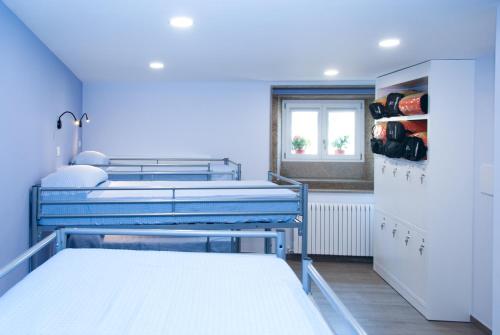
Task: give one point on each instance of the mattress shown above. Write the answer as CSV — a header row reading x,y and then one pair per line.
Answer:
x,y
287,203
220,172
111,292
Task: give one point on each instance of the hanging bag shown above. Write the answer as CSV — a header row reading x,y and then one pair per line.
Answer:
x,y
414,148
393,149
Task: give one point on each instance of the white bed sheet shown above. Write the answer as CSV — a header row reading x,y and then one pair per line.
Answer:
x,y
193,194
111,292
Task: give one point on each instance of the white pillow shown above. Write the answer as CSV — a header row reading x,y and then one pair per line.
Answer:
x,y
91,158
75,176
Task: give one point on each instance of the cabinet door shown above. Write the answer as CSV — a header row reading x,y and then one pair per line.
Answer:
x,y
380,248
411,264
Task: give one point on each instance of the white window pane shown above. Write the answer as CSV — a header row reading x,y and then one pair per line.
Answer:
x,y
304,132
341,132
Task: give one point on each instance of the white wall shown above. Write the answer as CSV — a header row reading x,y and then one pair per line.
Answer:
x,y
483,203
220,119
496,215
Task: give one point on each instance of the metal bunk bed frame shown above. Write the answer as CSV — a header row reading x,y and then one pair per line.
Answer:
x,y
300,221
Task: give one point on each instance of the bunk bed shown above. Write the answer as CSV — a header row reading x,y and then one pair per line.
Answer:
x,y
278,202
92,291
165,168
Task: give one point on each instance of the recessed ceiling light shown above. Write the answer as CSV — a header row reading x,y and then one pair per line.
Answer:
x,y
181,22
331,72
389,43
156,65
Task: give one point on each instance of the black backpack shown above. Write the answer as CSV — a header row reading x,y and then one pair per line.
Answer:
x,y
377,110
392,106
377,146
393,149
414,149
395,131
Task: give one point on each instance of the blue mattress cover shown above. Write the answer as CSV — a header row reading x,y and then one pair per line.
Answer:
x,y
290,203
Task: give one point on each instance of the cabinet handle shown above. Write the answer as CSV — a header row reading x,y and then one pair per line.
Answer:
x,y
421,249
394,232
407,238
382,225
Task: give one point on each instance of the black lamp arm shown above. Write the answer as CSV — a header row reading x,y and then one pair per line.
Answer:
x,y
59,123
86,118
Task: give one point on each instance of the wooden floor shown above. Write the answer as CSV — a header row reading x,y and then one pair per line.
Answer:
x,y
377,307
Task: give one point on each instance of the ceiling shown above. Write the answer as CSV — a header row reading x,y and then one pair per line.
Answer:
x,y
273,40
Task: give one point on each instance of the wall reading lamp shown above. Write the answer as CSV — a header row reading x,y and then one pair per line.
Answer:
x,y
86,119
77,122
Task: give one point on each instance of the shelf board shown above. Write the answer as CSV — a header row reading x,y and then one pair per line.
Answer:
x,y
403,118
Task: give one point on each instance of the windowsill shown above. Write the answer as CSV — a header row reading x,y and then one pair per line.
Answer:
x,y
338,185
335,190
288,160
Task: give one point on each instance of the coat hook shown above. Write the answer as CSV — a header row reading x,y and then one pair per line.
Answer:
x,y
422,178
394,172
408,175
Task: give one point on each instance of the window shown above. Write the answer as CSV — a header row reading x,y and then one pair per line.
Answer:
x,y
330,130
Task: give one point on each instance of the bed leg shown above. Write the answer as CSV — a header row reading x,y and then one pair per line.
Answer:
x,y
267,243
306,279
281,244
33,231
305,208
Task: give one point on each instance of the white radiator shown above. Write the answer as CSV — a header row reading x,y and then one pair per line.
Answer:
x,y
338,229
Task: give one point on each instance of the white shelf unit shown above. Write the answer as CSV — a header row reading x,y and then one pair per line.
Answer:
x,y
423,220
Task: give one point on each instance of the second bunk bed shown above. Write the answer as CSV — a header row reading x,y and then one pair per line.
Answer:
x,y
161,168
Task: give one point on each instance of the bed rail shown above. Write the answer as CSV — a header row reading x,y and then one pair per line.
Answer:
x,y
310,274
278,235
25,256
152,167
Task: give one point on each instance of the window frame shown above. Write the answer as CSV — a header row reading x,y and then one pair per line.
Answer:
x,y
324,107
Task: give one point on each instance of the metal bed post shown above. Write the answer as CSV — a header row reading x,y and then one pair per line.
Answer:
x,y
268,242
33,230
306,280
305,208
238,171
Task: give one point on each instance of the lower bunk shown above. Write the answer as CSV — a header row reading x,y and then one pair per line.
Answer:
x,y
99,291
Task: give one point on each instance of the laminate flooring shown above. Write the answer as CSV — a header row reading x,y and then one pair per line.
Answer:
x,y
377,306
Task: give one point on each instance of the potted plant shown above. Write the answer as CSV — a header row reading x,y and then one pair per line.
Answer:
x,y
298,144
340,143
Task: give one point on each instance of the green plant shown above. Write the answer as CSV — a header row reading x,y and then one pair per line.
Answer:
x,y
299,143
340,142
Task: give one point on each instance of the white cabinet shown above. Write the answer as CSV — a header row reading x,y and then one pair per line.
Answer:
x,y
423,221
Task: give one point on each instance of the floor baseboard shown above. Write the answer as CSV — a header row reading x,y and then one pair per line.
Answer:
x,y
332,258
480,325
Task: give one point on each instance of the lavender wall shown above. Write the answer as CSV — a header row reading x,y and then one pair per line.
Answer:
x,y
218,119
35,87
